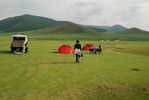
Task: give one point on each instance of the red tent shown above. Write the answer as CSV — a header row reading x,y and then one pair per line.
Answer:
x,y
66,49
87,47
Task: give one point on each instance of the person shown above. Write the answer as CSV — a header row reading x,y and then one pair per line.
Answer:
x,y
99,48
77,51
94,50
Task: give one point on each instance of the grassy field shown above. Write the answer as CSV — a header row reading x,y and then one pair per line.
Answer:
x,y
43,75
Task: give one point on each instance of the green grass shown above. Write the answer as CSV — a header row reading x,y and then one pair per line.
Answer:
x,y
137,48
43,75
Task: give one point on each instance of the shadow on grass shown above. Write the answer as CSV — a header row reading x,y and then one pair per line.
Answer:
x,y
5,52
62,63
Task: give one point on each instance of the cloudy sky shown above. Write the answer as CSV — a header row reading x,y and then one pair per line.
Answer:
x,y
129,13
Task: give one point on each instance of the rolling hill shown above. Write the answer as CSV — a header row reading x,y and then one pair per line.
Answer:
x,y
117,28
67,28
134,31
98,29
27,22
113,28
96,26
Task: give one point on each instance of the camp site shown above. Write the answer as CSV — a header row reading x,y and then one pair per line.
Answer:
x,y
46,68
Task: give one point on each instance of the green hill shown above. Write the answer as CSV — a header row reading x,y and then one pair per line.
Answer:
x,y
116,28
27,22
113,28
96,28
134,31
67,28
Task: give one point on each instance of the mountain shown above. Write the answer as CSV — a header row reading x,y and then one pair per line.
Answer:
x,y
67,28
96,26
108,28
117,28
98,29
134,31
27,22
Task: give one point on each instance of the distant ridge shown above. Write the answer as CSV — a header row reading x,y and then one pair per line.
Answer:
x,y
68,28
98,29
117,28
96,26
134,31
27,22
113,28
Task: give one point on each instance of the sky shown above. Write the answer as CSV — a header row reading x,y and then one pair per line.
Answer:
x,y
128,13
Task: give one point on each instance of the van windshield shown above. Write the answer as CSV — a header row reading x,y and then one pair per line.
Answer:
x,y
19,38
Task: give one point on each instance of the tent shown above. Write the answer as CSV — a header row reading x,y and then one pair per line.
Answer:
x,y
65,49
86,47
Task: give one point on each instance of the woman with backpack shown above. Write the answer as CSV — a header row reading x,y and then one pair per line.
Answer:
x,y
77,51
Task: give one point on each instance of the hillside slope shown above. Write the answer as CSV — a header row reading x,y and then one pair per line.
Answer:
x,y
134,31
116,28
113,28
67,28
27,22
95,28
98,29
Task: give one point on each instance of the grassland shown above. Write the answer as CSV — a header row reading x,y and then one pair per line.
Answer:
x,y
43,75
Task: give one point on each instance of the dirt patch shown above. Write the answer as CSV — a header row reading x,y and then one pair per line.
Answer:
x,y
140,88
135,69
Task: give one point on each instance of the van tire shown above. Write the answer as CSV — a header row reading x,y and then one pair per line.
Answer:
x,y
26,50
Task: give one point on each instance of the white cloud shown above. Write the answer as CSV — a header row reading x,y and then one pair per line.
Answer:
x,y
130,13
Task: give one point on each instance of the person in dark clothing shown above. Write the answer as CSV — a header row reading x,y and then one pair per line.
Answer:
x,y
94,50
77,51
99,48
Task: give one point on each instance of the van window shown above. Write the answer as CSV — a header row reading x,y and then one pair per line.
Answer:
x,y
19,38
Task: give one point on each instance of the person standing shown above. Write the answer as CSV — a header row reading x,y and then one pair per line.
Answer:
x,y
77,51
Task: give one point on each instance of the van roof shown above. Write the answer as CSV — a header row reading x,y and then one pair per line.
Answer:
x,y
16,35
